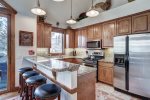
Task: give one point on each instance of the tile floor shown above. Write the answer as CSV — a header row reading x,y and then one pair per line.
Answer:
x,y
103,92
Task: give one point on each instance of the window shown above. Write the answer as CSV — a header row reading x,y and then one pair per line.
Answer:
x,y
56,42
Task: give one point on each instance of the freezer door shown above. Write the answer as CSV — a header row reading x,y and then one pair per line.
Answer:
x,y
119,78
119,71
120,44
139,64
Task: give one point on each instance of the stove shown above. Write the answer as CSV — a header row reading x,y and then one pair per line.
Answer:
x,y
93,58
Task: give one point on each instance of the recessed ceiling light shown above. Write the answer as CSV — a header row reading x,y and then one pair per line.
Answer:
x,y
58,0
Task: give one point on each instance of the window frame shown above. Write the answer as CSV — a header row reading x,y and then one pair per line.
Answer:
x,y
10,13
62,31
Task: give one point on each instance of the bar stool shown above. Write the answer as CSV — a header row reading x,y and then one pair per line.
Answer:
x,y
21,71
32,83
25,76
47,92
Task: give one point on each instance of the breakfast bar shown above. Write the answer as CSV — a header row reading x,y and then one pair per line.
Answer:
x,y
77,81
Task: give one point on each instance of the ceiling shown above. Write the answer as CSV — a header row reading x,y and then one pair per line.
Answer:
x,y
58,11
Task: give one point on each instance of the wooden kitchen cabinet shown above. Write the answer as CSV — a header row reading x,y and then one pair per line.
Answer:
x,y
94,32
40,29
97,32
43,35
80,38
90,32
105,72
84,37
108,32
124,26
141,22
70,38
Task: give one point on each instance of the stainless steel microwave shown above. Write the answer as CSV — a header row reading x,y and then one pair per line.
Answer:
x,y
94,44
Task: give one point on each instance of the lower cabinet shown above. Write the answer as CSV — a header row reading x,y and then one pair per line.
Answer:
x,y
105,73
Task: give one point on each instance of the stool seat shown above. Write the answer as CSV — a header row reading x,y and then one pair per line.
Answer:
x,y
38,79
47,91
25,69
29,74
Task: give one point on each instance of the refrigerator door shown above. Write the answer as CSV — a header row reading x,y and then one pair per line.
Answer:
x,y
119,70
139,64
120,44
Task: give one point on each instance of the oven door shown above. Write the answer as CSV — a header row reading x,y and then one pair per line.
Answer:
x,y
94,44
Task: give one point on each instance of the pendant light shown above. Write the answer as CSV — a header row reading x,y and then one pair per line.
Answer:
x,y
92,12
37,10
71,20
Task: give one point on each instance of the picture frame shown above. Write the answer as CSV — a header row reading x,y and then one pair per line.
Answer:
x,y
25,38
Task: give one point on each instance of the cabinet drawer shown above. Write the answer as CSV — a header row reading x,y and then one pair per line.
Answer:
x,y
104,64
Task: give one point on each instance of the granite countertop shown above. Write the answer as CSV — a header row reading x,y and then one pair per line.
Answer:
x,y
53,64
85,70
59,66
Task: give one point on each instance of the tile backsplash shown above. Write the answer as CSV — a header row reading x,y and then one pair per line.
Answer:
x,y
42,51
109,55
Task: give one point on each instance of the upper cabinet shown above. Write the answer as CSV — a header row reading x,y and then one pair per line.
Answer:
x,y
44,35
80,38
97,32
94,32
90,32
124,26
70,38
141,23
84,37
108,32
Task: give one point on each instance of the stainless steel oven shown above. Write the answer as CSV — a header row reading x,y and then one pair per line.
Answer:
x,y
94,44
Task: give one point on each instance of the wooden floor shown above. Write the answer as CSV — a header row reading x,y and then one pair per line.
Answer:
x,y
103,92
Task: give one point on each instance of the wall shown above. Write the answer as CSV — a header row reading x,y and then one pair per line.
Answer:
x,y
24,23
124,10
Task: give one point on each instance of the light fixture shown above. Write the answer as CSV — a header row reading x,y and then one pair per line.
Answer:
x,y
37,10
92,12
58,0
71,20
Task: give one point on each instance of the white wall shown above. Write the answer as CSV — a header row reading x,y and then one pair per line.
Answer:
x,y
24,23
124,10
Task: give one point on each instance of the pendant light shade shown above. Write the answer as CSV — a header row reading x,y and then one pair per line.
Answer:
x,y
92,12
71,20
37,10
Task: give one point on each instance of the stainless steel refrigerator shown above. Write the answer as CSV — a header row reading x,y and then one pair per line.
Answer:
x,y
132,63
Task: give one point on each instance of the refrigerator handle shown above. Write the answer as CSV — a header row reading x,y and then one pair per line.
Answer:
x,y
127,64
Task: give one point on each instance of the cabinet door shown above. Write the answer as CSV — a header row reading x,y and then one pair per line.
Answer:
x,y
90,32
47,35
80,38
101,76
40,31
141,23
76,38
97,32
124,26
84,37
70,38
108,32
108,75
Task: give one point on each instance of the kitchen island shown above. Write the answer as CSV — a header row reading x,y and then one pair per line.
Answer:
x,y
77,81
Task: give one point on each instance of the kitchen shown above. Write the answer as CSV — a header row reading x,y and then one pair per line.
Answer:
x,y
90,58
